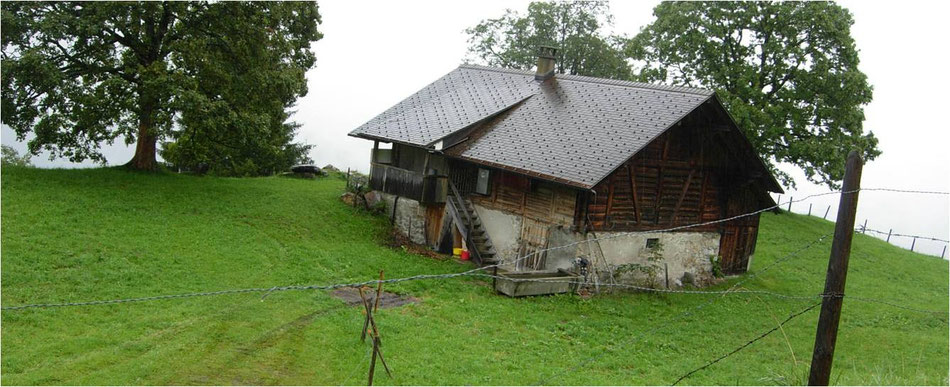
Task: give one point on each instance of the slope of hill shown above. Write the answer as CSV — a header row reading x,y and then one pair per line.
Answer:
x,y
78,235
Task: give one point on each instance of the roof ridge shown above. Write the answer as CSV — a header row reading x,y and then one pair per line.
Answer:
x,y
603,81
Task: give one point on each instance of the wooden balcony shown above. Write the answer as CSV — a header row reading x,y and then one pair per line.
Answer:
x,y
427,189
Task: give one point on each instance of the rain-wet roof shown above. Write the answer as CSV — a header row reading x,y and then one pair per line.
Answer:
x,y
571,129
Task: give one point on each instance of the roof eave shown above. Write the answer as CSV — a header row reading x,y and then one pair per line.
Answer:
x,y
775,186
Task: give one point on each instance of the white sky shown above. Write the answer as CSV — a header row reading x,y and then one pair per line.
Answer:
x,y
375,53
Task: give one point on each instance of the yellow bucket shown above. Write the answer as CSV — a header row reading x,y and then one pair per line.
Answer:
x,y
457,251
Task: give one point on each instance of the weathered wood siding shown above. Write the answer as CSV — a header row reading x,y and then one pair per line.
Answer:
x,y
685,176
538,200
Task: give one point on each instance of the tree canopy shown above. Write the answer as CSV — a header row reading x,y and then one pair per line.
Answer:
x,y
786,71
575,28
216,79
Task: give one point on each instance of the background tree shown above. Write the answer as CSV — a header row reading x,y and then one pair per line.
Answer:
x,y
575,28
78,74
9,156
786,71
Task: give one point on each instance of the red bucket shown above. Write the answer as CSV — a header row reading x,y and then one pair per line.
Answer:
x,y
464,256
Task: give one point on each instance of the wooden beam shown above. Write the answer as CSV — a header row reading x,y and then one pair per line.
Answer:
x,y
659,178
633,191
610,198
679,202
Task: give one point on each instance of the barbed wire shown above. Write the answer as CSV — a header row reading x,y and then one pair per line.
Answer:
x,y
894,234
689,312
395,280
907,191
750,342
652,290
269,290
896,305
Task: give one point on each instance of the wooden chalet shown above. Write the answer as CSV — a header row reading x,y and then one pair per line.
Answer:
x,y
515,162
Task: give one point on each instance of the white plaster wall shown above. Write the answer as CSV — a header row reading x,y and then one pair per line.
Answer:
x,y
683,252
504,230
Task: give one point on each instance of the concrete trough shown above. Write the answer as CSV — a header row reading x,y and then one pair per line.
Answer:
x,y
535,283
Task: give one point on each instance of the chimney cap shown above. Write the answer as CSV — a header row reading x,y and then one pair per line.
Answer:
x,y
547,51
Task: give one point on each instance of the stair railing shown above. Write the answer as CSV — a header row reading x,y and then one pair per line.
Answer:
x,y
466,234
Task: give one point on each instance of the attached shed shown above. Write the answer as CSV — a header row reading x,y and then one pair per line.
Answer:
x,y
518,163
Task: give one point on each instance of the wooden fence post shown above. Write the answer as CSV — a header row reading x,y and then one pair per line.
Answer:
x,y
827,332
864,228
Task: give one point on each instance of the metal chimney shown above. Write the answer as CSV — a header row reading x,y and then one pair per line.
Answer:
x,y
546,57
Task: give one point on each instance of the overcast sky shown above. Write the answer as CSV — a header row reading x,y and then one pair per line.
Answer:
x,y
375,53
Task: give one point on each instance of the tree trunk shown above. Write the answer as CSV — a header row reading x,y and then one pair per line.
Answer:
x,y
144,159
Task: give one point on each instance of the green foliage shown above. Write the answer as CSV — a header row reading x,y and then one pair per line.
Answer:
x,y
716,262
786,71
75,235
655,252
216,78
11,157
575,28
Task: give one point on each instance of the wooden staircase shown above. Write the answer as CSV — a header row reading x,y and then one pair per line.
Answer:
x,y
473,231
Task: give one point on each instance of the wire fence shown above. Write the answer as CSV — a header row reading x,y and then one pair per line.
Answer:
x,y
480,272
864,229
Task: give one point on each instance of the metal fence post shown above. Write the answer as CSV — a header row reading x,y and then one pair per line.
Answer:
x,y
826,212
809,209
827,333
792,199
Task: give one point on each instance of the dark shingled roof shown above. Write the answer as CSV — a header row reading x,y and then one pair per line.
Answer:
x,y
571,129
453,102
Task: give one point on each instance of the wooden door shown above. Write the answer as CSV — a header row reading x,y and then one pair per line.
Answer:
x,y
534,239
735,247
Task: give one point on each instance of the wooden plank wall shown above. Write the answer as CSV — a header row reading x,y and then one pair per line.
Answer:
x,y
686,176
671,182
534,199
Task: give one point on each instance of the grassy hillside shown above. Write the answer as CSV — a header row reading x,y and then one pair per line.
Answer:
x,y
72,235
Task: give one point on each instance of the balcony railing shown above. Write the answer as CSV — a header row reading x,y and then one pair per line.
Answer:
x,y
427,189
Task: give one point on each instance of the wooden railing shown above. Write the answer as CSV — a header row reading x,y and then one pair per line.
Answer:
x,y
428,189
456,215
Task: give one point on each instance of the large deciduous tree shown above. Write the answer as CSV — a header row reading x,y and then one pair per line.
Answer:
x,y
575,28
215,78
786,71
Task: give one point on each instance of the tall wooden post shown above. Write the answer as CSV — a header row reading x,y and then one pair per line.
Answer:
x,y
837,274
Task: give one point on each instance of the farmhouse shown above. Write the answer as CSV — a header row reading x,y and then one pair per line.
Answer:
x,y
513,163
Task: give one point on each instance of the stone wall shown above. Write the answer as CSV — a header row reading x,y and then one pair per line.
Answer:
x,y
684,257
409,217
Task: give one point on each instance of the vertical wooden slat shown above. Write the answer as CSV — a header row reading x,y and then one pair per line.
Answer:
x,y
633,191
679,202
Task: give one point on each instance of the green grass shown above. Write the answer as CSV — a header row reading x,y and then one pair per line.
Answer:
x,y
71,235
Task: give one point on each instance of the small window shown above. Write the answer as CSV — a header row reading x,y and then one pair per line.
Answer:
x,y
652,243
481,184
